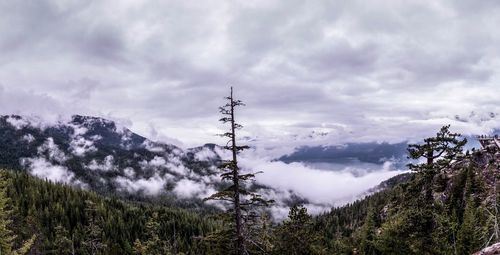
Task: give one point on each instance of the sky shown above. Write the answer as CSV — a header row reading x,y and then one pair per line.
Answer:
x,y
352,71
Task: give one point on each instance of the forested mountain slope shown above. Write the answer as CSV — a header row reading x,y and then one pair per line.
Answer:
x,y
448,204
66,220
99,155
444,208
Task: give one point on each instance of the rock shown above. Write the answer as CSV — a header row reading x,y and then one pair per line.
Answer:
x,y
491,250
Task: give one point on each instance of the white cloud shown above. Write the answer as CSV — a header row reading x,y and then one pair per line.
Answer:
x,y
29,138
129,172
186,188
151,146
53,151
106,165
42,168
318,186
17,123
151,186
356,65
80,146
205,154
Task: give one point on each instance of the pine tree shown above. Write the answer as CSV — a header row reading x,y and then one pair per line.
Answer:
x,y
7,237
493,201
264,233
296,235
469,234
368,233
63,243
438,151
152,243
93,232
242,200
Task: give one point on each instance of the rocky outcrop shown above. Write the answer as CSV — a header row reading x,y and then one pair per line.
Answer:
x,y
491,250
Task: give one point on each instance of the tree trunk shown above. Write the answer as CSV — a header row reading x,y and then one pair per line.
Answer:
x,y
237,210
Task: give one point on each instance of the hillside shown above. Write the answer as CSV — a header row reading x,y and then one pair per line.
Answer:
x,y
66,220
454,210
97,154
102,156
130,190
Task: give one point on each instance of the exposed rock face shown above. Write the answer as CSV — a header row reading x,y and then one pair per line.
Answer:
x,y
491,250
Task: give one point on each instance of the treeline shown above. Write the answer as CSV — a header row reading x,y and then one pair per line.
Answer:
x,y
66,220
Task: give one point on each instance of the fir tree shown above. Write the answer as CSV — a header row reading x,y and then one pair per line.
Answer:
x,y
93,242
152,243
368,234
243,201
6,235
63,243
438,151
493,201
469,233
296,235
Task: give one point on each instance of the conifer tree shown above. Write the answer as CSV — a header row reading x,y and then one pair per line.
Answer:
x,y
296,235
368,234
152,243
493,201
63,243
438,151
93,232
242,200
6,236
469,233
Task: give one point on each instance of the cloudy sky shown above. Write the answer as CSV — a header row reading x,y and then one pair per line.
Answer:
x,y
357,70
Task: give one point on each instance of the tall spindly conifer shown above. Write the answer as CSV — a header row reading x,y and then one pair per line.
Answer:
x,y
242,200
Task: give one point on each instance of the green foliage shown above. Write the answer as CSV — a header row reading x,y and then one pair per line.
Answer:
x,y
470,232
92,224
7,237
368,233
438,151
296,236
151,242
448,206
63,242
93,243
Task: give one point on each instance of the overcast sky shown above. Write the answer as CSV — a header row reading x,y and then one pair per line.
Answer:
x,y
357,70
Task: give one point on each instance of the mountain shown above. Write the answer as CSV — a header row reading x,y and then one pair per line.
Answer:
x,y
97,154
375,153
438,210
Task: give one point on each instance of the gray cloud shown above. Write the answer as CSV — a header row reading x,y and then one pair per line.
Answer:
x,y
353,69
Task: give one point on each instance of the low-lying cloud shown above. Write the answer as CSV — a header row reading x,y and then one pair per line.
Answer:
x,y
151,186
324,187
43,169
